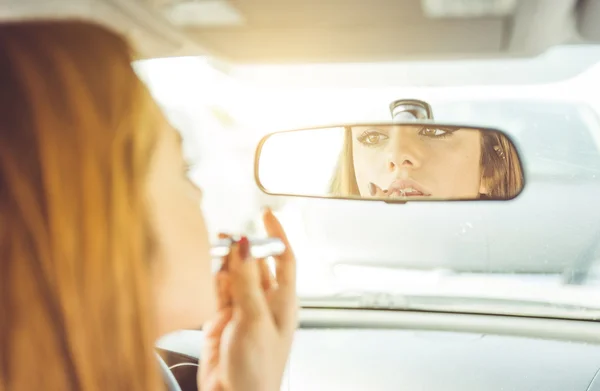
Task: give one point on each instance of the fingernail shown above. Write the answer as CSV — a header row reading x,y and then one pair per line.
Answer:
x,y
244,248
372,188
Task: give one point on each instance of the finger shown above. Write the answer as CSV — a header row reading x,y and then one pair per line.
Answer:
x,y
283,300
285,264
224,261
246,290
213,332
223,290
376,191
267,278
214,328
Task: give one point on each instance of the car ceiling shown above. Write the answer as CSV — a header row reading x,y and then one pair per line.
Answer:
x,y
376,30
287,31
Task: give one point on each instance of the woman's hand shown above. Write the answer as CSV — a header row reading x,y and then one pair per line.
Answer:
x,y
376,191
247,344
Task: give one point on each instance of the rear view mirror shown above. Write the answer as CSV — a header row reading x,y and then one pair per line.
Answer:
x,y
390,162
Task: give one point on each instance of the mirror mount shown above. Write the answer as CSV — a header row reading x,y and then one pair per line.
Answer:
x,y
411,110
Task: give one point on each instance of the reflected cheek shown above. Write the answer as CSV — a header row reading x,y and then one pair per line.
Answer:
x,y
370,166
360,174
455,176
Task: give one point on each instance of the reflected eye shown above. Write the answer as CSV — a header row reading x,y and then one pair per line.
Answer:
x,y
436,132
371,137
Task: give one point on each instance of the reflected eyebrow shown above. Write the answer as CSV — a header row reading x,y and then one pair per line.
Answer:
x,y
364,129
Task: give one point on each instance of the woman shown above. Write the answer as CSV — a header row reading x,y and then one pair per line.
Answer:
x,y
417,161
104,247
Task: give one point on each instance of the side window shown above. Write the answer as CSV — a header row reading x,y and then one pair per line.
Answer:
x,y
554,139
561,141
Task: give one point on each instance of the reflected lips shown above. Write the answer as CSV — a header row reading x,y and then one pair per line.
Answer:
x,y
407,188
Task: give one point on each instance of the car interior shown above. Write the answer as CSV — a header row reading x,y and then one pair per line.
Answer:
x,y
414,323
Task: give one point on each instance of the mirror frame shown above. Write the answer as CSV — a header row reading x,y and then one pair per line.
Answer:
x,y
387,123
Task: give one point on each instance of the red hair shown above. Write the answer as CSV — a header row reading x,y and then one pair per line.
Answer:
x,y
76,138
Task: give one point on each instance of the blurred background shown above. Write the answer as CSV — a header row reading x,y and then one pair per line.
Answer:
x,y
550,104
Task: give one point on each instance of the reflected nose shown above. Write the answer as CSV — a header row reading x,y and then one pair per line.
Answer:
x,y
401,162
404,154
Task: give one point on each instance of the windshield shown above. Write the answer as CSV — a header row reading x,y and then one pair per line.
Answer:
x,y
536,255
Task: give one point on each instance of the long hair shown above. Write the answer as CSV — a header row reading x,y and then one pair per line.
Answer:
x,y
76,137
501,169
343,183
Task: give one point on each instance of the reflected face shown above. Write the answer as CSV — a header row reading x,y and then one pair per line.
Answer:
x,y
416,161
182,273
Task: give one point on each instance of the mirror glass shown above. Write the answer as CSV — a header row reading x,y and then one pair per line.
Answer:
x,y
391,162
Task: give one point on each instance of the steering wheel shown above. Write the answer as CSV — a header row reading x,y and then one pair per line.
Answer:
x,y
170,381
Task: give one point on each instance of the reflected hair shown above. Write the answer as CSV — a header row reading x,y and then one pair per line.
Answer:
x,y
76,138
501,170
